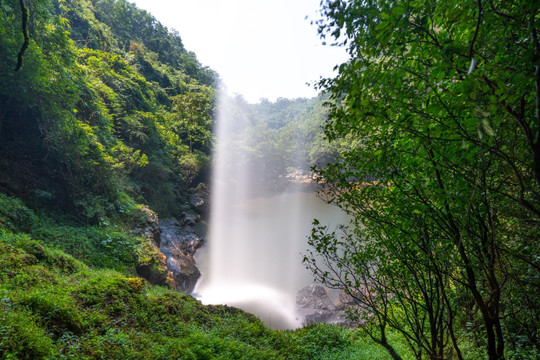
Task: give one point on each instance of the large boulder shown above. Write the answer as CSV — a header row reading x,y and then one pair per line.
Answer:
x,y
151,264
179,245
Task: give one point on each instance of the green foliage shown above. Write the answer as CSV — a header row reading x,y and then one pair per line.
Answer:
x,y
443,181
100,84
192,114
21,337
14,215
314,341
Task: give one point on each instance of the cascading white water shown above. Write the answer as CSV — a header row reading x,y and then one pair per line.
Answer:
x,y
254,240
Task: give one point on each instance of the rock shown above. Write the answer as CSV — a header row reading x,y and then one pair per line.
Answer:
x,y
346,303
314,305
154,269
189,219
149,226
314,297
345,299
185,273
179,244
199,199
152,264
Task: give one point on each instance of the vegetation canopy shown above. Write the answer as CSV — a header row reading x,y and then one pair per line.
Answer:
x,y
444,99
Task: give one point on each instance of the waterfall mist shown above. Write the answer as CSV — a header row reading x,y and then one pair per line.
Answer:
x,y
255,236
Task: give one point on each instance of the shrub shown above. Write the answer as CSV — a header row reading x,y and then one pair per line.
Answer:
x,y
14,215
56,309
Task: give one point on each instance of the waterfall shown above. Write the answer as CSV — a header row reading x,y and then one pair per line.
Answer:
x,y
255,239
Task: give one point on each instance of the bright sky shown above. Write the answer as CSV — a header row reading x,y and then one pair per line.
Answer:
x,y
260,48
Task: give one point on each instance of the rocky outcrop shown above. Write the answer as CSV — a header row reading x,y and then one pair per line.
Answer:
x,y
179,244
152,264
149,226
315,306
167,254
153,267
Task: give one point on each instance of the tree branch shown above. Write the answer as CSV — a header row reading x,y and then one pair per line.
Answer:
x,y
536,59
475,36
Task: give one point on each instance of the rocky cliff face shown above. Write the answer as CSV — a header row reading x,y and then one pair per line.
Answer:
x,y
179,243
171,245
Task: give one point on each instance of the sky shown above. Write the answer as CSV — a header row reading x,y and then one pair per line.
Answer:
x,y
260,48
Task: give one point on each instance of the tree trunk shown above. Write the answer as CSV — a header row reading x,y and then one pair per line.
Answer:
x,y
393,353
24,25
3,112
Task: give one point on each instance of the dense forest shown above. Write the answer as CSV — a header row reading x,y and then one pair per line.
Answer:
x,y
431,144
106,109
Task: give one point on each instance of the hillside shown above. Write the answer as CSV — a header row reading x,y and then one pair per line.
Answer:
x,y
107,111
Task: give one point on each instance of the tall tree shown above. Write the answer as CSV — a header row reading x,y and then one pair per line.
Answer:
x,y
192,113
444,97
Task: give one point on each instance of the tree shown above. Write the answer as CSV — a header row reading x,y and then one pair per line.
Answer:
x,y
192,115
444,99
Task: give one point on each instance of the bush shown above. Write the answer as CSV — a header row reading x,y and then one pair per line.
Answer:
x,y
14,215
56,309
21,337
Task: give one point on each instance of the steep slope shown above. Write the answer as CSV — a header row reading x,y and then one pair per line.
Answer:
x,y
94,120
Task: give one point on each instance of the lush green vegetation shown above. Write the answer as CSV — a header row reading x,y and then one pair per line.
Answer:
x,y
434,129
444,183
100,116
55,306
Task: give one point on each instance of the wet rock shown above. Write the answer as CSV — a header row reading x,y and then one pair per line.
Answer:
x,y
314,305
185,273
179,244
